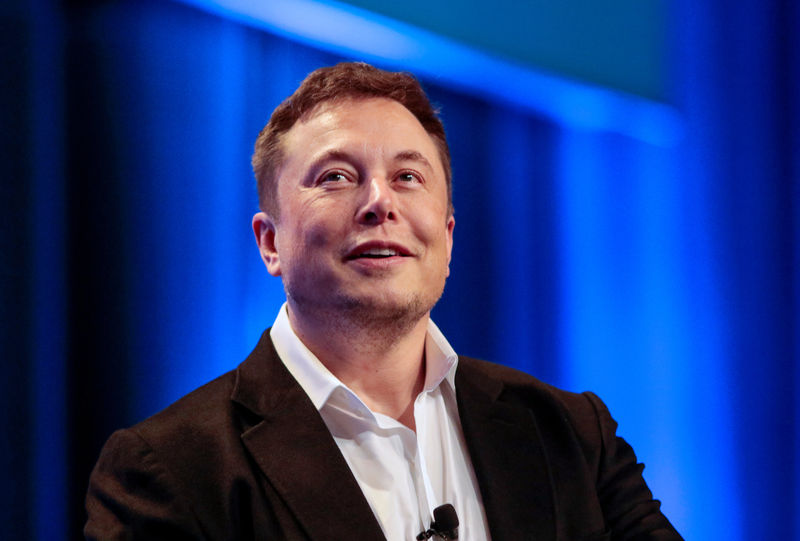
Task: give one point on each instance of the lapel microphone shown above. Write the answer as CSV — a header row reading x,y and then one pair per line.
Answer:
x,y
445,524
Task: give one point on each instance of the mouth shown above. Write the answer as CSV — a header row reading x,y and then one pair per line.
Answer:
x,y
380,250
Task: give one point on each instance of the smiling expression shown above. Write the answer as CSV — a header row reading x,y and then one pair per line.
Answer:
x,y
364,214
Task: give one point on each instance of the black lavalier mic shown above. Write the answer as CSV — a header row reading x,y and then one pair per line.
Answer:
x,y
445,524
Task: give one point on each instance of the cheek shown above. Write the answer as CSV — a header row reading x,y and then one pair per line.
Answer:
x,y
316,226
316,236
431,226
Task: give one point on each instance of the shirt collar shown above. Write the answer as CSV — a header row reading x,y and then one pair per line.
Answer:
x,y
440,359
319,383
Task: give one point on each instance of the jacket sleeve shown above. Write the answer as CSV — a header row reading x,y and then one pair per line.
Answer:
x,y
630,511
132,496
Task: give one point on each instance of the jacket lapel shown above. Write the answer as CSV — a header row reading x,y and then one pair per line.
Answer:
x,y
508,457
294,449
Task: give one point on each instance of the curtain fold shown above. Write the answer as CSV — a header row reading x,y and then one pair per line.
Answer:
x,y
663,277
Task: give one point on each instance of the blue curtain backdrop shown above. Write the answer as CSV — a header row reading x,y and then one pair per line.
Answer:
x,y
665,278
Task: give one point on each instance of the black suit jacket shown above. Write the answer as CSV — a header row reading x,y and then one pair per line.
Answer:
x,y
247,456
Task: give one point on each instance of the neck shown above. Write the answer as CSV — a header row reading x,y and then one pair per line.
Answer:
x,y
383,362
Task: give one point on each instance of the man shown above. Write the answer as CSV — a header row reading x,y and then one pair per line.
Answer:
x,y
353,417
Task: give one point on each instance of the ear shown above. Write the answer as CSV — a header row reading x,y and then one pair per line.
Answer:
x,y
264,230
451,224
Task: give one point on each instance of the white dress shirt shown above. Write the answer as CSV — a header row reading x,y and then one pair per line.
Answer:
x,y
404,475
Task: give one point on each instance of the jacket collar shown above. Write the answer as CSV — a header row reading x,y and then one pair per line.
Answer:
x,y
508,456
294,449
291,444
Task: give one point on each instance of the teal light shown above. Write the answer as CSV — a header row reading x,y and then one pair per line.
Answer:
x,y
357,33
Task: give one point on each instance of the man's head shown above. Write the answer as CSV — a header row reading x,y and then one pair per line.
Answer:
x,y
365,230
330,85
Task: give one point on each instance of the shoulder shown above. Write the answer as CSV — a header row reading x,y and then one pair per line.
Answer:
x,y
206,409
195,434
586,459
581,417
171,469
222,408
516,385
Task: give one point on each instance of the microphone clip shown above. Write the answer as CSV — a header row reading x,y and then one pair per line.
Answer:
x,y
444,525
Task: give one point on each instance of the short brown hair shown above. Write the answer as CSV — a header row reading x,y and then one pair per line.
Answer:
x,y
346,80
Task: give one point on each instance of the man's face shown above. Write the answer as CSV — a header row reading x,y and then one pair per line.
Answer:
x,y
364,223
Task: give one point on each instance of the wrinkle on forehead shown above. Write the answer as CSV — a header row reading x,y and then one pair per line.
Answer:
x,y
332,118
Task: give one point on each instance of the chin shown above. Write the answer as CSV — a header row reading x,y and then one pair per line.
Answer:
x,y
366,304
384,308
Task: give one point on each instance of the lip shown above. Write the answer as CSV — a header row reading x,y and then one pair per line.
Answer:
x,y
401,252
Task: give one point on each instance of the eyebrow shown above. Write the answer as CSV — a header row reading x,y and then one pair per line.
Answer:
x,y
331,155
341,155
412,156
327,156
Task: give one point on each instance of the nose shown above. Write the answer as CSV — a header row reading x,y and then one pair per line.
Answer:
x,y
380,204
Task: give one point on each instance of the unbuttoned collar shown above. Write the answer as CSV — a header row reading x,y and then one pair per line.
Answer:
x,y
319,383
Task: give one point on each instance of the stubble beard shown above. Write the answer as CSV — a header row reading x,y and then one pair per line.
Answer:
x,y
383,318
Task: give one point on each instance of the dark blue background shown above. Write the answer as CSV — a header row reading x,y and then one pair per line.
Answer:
x,y
664,277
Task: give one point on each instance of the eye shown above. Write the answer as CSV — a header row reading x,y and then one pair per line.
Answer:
x,y
409,176
333,177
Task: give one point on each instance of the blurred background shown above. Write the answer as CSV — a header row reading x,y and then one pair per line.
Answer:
x,y
627,193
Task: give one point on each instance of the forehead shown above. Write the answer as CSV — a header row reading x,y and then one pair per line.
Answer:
x,y
369,126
